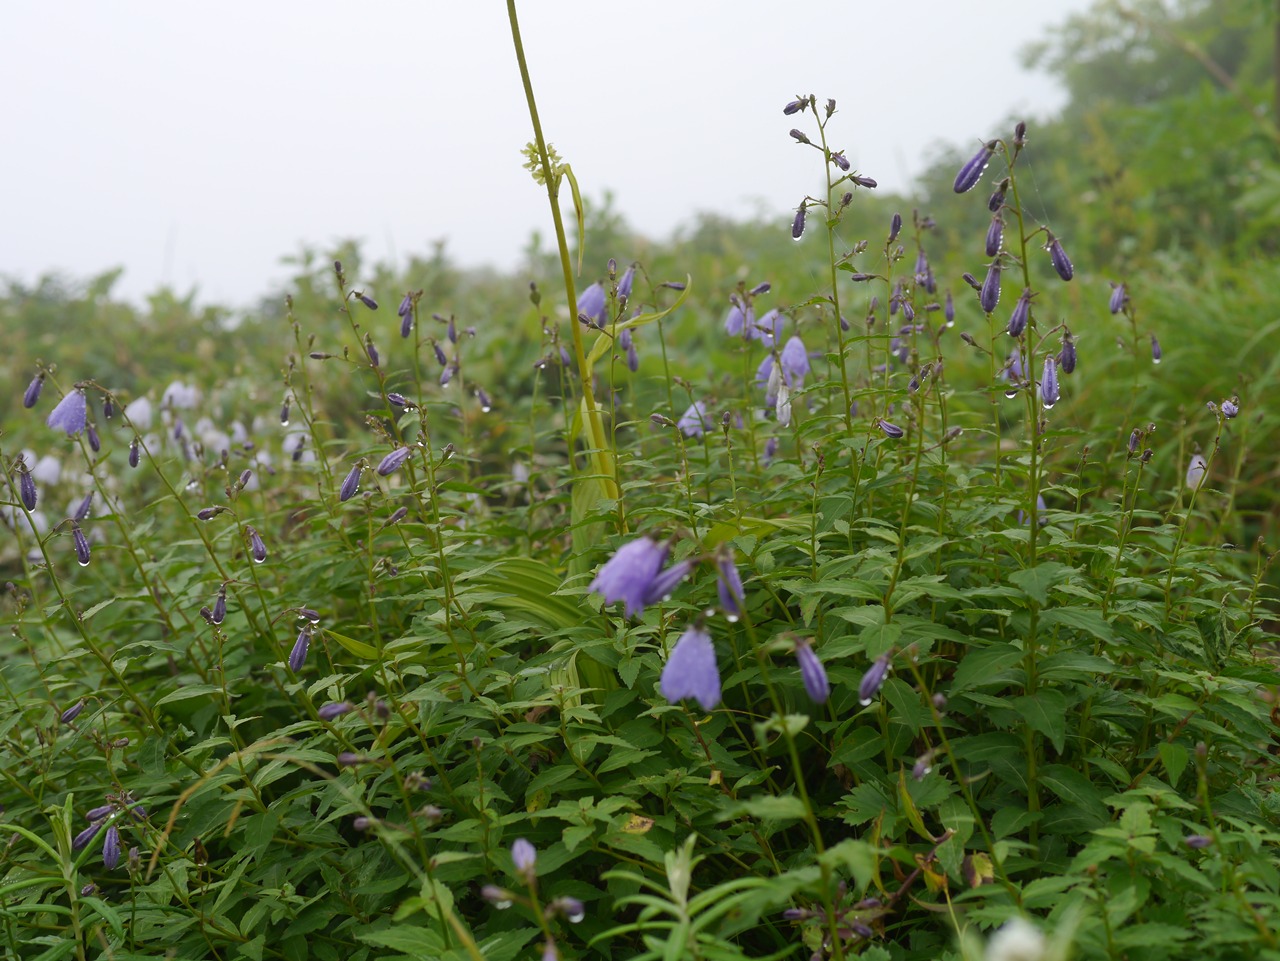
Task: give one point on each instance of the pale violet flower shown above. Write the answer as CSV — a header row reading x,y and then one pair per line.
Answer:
x,y
691,670
70,413
1196,471
693,422
139,413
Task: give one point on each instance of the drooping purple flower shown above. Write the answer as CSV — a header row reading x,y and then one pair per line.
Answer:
x,y
971,172
729,584
874,679
111,848
890,430
219,612
71,713
1196,471
795,362
989,295
1021,314
32,394
257,549
1067,356
394,461
1058,257
629,575
81,544
1049,391
797,225
626,283
350,485
524,857
81,512
592,302
812,672
70,413
1119,297
691,670
693,422
995,235
27,487
1156,353
133,452
298,656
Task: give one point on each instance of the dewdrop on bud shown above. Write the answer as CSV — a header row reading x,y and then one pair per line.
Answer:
x,y
257,549
1156,353
1049,392
351,485
81,545
482,397
284,413
971,172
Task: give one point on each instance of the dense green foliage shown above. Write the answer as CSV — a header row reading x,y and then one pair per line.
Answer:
x,y
1073,599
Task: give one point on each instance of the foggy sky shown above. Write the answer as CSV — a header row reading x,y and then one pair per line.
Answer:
x,y
196,145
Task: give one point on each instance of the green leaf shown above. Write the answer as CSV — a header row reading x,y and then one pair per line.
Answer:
x,y
1045,711
358,648
1036,581
188,692
1174,757
407,939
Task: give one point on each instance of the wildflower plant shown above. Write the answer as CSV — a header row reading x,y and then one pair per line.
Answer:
x,y
857,617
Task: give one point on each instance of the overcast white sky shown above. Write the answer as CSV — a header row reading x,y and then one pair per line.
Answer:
x,y
197,144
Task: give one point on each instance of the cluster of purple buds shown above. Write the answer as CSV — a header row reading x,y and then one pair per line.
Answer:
x,y
98,818
851,922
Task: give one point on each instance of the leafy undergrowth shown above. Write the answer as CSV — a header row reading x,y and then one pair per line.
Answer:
x,y
910,629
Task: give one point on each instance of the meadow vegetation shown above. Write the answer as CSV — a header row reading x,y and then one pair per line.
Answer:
x,y
773,591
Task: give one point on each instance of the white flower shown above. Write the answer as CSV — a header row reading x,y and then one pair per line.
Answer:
x,y
1017,940
1196,471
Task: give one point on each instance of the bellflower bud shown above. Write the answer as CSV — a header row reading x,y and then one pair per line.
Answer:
x,y
367,301
812,672
1119,297
795,106
890,430
995,235
971,172
840,160
1067,358
1058,257
71,713
27,487
798,136
1021,313
989,295
133,452
1197,842
32,394
949,310
81,545
1049,392
996,200
82,509
728,584
334,709
873,680
1229,409
869,182
1156,353
111,848
219,612
626,283
797,225
394,461
298,656
350,485
524,857
257,549
81,840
